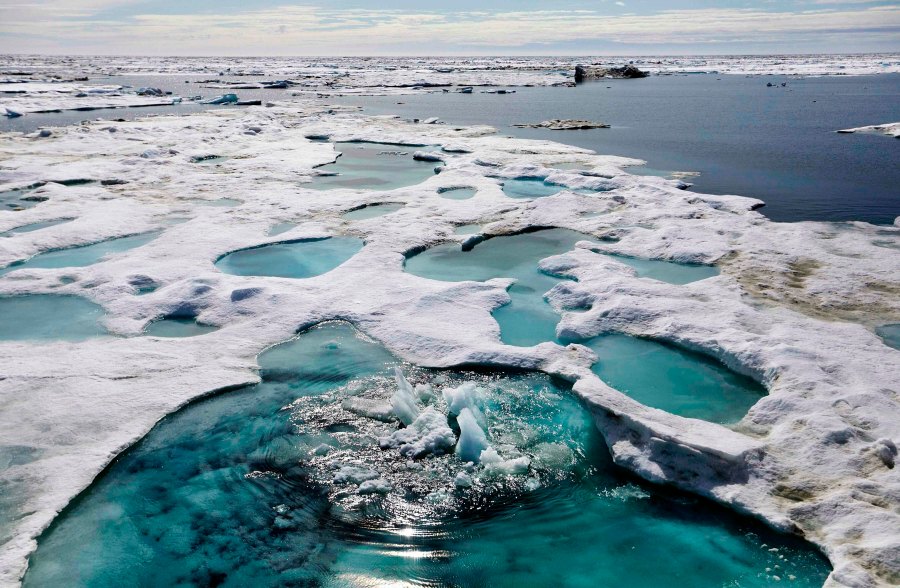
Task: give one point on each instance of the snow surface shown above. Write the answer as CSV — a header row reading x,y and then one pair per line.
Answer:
x,y
794,307
889,129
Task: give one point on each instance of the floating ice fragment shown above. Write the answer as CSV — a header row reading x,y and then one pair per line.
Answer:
x,y
468,395
425,392
403,402
462,480
354,475
376,486
371,409
472,439
497,466
427,435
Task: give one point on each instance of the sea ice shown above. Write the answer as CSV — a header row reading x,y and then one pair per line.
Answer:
x,y
472,439
429,434
403,402
795,307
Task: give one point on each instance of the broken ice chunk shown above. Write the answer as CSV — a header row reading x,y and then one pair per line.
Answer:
x,y
472,439
354,475
494,465
376,486
403,402
427,435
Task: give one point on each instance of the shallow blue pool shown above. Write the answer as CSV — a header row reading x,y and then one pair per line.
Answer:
x,y
294,259
890,334
33,227
528,319
372,166
672,379
81,256
49,316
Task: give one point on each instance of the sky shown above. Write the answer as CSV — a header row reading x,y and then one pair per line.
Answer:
x,y
457,27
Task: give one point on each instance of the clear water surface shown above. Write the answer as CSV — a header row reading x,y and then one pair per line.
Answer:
x,y
294,259
37,317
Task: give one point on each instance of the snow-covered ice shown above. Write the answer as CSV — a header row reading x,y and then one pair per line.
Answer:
x,y
889,129
794,307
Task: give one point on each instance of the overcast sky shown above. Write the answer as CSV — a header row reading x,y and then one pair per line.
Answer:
x,y
467,27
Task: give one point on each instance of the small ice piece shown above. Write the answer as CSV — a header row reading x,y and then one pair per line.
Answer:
x,y
427,435
10,113
468,395
425,392
403,402
472,440
463,480
370,409
354,475
497,466
376,486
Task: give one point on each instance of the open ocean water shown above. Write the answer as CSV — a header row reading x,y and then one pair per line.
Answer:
x,y
777,144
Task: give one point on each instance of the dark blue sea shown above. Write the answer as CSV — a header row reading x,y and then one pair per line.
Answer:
x,y
773,143
776,143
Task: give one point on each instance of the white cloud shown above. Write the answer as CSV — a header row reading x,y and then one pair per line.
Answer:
x,y
296,30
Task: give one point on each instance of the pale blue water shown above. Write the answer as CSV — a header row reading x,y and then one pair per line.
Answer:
x,y
48,317
12,199
890,334
373,166
461,193
528,319
468,229
226,493
530,188
81,256
178,327
672,379
776,144
294,259
34,227
372,211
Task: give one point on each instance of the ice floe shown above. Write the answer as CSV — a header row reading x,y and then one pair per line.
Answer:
x,y
890,129
794,307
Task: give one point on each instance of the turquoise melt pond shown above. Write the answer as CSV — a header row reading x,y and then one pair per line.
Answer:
x,y
48,317
291,259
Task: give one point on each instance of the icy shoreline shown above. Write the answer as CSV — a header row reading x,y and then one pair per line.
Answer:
x,y
816,456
